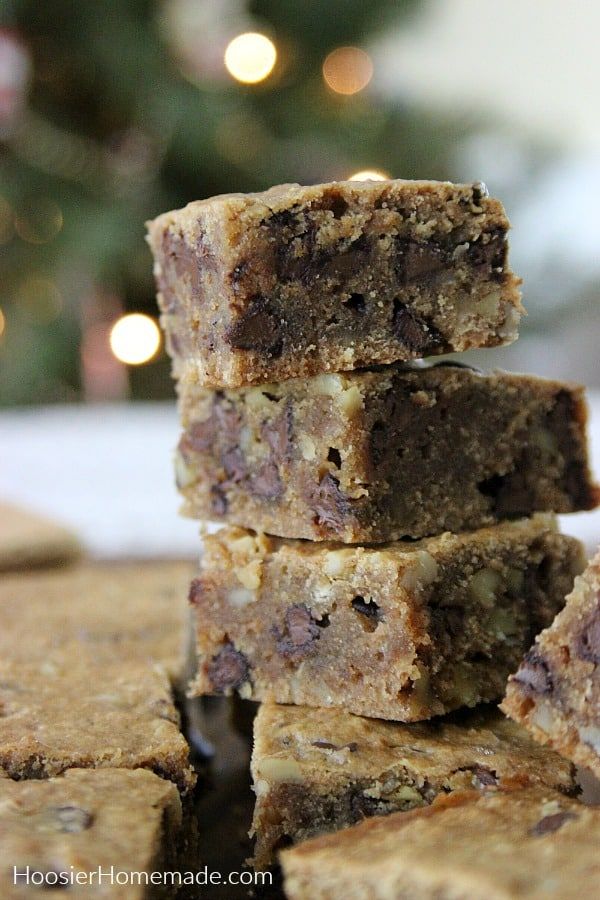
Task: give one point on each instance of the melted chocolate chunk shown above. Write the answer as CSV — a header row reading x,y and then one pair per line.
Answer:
x,y
234,463
330,505
534,674
199,437
218,500
587,642
257,328
550,824
416,335
196,591
299,635
266,482
277,432
70,819
363,807
228,670
418,262
479,192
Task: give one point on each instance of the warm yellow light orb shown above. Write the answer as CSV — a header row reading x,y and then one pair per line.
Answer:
x,y
2,323
135,339
369,175
250,57
347,70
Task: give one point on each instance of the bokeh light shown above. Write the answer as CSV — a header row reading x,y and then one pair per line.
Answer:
x,y
347,70
250,57
38,221
369,175
135,339
2,323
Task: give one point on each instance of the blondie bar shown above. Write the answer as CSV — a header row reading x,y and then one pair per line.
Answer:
x,y
54,832
404,631
100,612
556,691
72,714
383,454
302,280
28,540
319,770
505,845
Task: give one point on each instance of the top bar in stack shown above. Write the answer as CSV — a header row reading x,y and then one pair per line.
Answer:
x,y
297,281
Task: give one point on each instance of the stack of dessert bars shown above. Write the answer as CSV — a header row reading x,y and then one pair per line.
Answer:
x,y
390,548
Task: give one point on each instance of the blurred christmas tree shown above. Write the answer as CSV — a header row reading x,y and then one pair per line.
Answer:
x,y
113,112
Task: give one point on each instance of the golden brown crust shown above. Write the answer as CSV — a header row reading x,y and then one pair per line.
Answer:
x,y
532,843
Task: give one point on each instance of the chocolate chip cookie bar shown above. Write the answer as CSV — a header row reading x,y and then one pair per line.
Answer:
x,y
54,834
319,770
299,281
28,540
532,843
403,631
556,691
100,612
71,714
385,453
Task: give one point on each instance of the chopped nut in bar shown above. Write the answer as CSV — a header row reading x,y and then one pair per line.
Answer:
x,y
319,770
404,631
384,454
556,691
298,281
527,844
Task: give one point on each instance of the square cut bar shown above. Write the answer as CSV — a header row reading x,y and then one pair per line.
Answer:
x,y
383,454
84,820
319,770
403,631
71,714
556,691
533,844
101,612
29,541
298,280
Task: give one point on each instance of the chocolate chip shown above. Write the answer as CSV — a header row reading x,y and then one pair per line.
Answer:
x,y
196,591
228,670
70,819
370,611
257,328
333,202
277,432
266,482
234,463
587,642
416,335
550,824
330,505
199,437
484,776
363,806
420,261
299,635
534,674
218,500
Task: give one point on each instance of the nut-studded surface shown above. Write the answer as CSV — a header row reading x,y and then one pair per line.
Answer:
x,y
556,691
403,631
319,770
533,843
301,280
382,454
